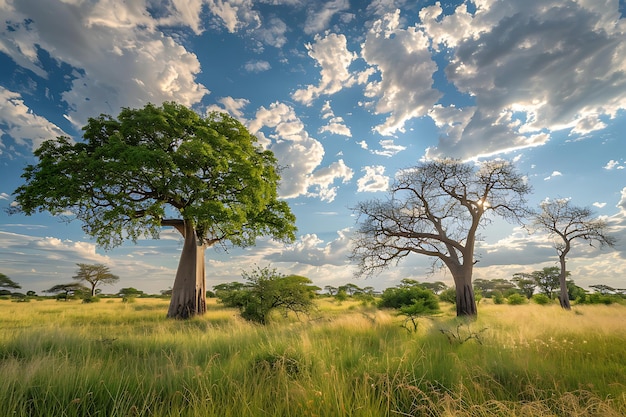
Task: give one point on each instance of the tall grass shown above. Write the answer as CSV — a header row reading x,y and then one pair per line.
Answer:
x,y
115,359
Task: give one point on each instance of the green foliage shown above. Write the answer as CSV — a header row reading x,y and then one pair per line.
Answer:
x,y
91,299
400,297
130,292
266,291
497,297
542,299
6,282
516,299
448,295
130,171
341,295
488,287
95,275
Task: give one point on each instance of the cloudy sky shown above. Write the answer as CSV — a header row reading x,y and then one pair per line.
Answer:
x,y
345,93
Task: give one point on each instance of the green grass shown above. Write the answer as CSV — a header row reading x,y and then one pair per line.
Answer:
x,y
127,359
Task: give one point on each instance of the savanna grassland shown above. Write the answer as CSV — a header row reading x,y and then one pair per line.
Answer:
x,y
126,359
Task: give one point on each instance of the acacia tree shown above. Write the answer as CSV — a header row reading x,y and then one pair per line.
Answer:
x,y
95,275
163,166
565,223
436,209
6,282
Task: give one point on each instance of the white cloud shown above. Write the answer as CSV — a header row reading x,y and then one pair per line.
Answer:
x,y
406,68
335,124
234,14
332,55
599,205
373,180
553,175
311,250
120,57
318,18
363,144
515,61
389,148
233,106
612,164
301,154
257,66
19,122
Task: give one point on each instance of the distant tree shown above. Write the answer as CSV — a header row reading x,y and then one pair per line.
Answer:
x,y
526,283
6,282
350,289
547,280
166,293
95,275
566,223
436,287
266,291
436,209
330,290
207,177
68,290
130,292
603,289
31,293
488,286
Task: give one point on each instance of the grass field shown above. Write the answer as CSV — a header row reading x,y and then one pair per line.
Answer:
x,y
126,359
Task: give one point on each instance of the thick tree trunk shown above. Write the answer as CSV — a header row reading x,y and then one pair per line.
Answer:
x,y
465,301
189,290
563,295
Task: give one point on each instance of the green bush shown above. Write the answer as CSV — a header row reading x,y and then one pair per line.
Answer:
x,y
497,297
448,295
516,299
90,299
541,299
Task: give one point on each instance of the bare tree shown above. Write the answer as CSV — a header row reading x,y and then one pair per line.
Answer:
x,y
566,223
435,209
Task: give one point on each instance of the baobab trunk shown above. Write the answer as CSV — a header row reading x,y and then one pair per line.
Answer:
x,y
564,294
465,301
189,290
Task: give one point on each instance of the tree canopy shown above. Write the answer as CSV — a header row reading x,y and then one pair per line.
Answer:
x,y
95,275
6,282
566,223
163,166
436,209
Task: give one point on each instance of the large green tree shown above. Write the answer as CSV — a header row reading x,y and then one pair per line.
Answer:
x,y
567,223
163,166
436,209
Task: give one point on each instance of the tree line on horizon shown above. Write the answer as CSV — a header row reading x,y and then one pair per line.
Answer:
x,y
210,179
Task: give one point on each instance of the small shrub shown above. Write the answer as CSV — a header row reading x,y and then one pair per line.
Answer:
x,y
497,297
516,299
448,296
541,299
90,299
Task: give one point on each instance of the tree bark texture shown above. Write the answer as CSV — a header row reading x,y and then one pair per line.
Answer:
x,y
465,301
563,295
189,290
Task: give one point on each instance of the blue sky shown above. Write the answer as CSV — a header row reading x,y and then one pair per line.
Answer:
x,y
345,93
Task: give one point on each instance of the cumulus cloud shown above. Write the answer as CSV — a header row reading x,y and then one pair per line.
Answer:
x,y
119,55
335,124
19,122
311,250
404,62
612,164
373,180
234,14
599,205
300,153
515,61
332,55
